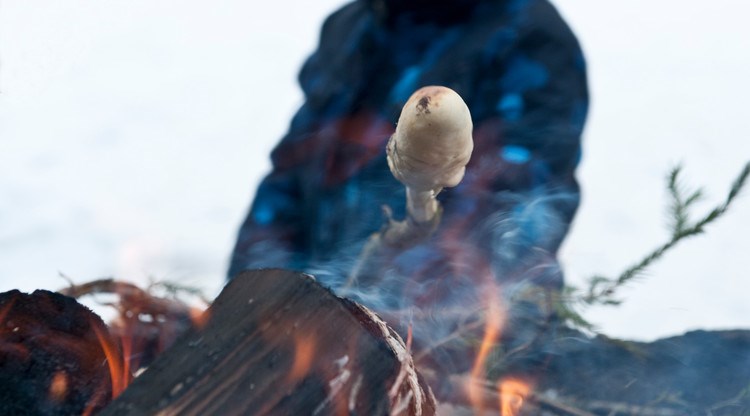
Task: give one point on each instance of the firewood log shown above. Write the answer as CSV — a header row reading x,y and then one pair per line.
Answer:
x,y
278,343
52,356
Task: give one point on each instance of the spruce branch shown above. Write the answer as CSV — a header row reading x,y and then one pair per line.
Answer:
x,y
601,290
565,307
680,205
177,290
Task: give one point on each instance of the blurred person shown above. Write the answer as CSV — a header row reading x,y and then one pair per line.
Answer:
x,y
522,74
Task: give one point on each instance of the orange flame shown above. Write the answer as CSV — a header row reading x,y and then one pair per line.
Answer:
x,y
95,400
5,310
494,318
304,352
118,367
126,343
199,317
512,393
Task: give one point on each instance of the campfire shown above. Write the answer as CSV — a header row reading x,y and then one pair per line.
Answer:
x,y
277,342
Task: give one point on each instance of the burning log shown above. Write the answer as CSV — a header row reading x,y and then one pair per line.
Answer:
x,y
276,342
54,356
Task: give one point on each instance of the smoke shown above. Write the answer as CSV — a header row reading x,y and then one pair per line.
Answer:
x,y
444,288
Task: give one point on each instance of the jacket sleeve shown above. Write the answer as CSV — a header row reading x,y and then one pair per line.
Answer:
x,y
272,234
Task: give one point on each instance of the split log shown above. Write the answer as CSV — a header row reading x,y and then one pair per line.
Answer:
x,y
276,342
52,356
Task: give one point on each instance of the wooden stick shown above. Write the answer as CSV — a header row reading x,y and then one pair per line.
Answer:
x,y
428,152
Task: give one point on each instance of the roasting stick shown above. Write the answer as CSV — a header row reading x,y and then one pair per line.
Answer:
x,y
428,152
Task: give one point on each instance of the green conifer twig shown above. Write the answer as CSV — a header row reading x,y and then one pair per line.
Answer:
x,y
601,290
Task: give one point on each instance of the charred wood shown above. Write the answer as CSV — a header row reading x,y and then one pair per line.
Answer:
x,y
276,342
54,356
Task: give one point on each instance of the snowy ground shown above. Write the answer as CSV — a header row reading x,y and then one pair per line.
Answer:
x,y
132,135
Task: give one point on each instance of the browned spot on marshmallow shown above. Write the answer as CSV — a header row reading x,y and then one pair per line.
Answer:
x,y
423,106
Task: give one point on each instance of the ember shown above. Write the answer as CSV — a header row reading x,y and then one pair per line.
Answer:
x,y
304,354
58,388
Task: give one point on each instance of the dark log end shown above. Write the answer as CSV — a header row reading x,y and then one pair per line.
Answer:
x,y
51,358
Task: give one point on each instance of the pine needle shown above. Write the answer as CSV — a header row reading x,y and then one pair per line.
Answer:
x,y
601,290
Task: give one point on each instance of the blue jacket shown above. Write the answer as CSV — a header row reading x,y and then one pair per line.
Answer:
x,y
521,72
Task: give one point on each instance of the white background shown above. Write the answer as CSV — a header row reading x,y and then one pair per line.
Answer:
x,y
133,134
